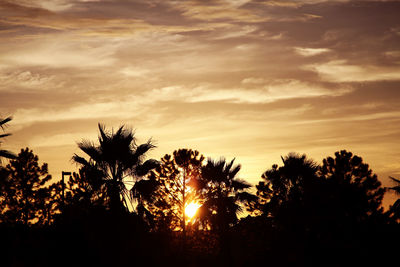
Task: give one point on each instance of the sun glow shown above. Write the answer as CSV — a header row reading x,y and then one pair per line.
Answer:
x,y
191,209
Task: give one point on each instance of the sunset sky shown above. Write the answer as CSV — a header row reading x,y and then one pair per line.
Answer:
x,y
252,80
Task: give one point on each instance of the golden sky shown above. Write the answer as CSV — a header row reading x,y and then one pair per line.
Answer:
x,y
235,78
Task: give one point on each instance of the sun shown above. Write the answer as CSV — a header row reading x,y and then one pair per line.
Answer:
x,y
191,209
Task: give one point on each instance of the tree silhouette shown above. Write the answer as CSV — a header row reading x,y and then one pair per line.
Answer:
x,y
351,182
84,190
177,179
394,210
286,184
25,199
317,209
223,193
115,162
395,188
5,153
344,181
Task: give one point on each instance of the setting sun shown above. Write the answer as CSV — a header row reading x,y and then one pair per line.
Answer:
x,y
191,209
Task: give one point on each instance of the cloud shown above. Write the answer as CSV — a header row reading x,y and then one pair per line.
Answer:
x,y
307,52
132,71
61,50
275,91
297,3
141,102
24,79
82,111
341,71
238,32
310,76
56,140
252,80
216,10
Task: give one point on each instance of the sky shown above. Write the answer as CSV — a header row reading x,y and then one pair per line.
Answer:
x,y
247,79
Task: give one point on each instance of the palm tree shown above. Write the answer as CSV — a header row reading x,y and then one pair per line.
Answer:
x,y
394,210
118,161
5,153
223,193
395,188
288,183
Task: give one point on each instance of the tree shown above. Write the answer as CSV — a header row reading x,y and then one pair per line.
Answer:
x,y
286,184
25,198
5,153
84,190
395,188
394,210
223,193
316,209
116,161
345,185
357,191
177,180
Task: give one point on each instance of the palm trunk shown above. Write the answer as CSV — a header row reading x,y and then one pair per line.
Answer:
x,y
183,209
115,202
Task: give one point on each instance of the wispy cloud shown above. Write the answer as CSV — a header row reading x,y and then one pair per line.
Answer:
x,y
24,79
341,71
292,75
267,93
307,52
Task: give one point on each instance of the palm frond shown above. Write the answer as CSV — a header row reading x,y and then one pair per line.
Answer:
x,y
396,188
7,154
235,171
146,167
246,197
80,160
395,180
239,184
102,131
90,149
143,148
4,135
4,121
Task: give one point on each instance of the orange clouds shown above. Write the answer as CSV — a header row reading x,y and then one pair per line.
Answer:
x,y
246,79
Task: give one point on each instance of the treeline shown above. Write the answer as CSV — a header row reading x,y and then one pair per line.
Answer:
x,y
121,209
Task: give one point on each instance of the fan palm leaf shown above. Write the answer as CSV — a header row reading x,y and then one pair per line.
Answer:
x,y
5,153
118,160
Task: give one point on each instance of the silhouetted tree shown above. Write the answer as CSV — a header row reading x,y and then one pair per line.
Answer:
x,y
25,198
345,181
116,161
350,181
85,190
318,209
223,193
177,180
394,210
285,184
5,153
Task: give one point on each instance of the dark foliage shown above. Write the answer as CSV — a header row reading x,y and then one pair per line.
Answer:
x,y
222,192
5,153
177,183
323,212
25,198
305,214
115,162
394,210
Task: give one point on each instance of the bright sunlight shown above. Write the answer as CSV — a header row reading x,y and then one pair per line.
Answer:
x,y
191,209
